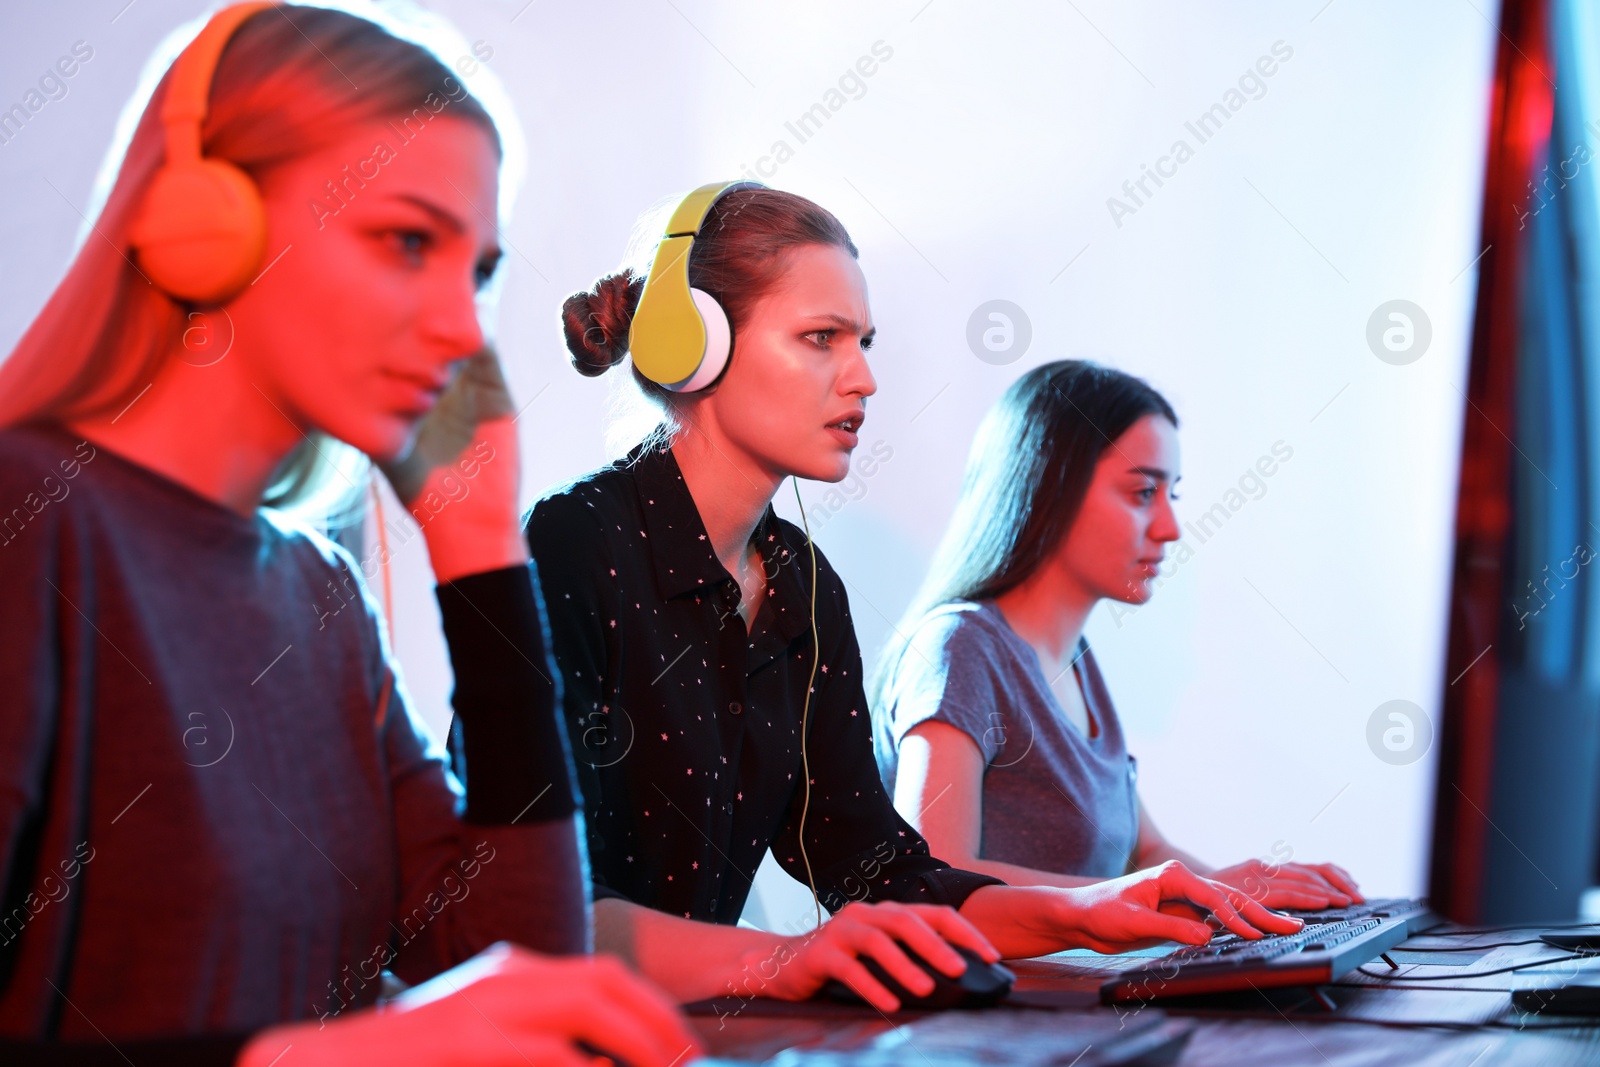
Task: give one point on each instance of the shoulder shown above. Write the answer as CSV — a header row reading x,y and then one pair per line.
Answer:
x,y
29,454
587,505
960,629
315,550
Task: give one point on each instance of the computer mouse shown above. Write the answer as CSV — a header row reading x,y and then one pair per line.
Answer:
x,y
981,985
1581,941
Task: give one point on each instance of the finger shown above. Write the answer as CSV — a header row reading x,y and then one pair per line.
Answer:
x,y
1269,920
1342,880
600,1002
872,941
849,970
1150,925
1291,897
954,927
646,1004
1223,904
1315,878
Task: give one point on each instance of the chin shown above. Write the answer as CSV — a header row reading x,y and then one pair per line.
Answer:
x,y
384,440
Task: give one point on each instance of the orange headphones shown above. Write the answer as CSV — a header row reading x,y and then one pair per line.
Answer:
x,y
201,231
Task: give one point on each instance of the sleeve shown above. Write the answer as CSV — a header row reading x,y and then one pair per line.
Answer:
x,y
508,863
31,696
212,1050
945,675
568,549
858,845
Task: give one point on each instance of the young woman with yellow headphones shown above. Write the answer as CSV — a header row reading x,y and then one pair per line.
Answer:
x,y
713,683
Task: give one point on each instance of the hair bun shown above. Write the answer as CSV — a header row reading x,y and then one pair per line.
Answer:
x,y
596,322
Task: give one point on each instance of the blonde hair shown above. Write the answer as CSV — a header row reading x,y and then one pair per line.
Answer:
x,y
287,84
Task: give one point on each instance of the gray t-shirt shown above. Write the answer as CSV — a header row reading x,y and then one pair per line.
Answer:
x,y
1053,798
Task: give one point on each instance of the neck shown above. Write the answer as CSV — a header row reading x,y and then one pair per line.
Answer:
x,y
210,429
730,490
1048,611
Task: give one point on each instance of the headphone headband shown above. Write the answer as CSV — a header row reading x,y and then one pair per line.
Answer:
x,y
189,83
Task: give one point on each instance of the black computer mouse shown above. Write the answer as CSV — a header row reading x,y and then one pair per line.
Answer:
x,y
1583,941
982,984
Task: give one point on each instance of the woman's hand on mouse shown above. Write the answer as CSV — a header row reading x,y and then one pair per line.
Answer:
x,y
1292,885
460,479
797,967
505,1006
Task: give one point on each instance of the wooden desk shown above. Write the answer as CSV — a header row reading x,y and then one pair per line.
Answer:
x,y
1465,1022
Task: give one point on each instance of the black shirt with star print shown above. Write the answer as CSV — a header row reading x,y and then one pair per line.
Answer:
x,y
685,727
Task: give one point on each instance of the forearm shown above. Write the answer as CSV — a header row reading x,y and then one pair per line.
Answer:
x,y
689,960
1024,921
1015,874
1162,850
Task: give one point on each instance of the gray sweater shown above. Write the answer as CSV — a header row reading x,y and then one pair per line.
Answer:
x,y
206,826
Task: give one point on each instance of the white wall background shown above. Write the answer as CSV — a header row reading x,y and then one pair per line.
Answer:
x,y
976,164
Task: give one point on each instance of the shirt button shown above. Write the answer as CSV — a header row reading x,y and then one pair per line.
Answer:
x,y
727,808
735,708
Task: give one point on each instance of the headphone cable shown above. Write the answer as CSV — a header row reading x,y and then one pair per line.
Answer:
x,y
805,710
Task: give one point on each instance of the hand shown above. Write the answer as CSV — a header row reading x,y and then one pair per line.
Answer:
x,y
1161,904
505,1006
1293,885
800,965
460,479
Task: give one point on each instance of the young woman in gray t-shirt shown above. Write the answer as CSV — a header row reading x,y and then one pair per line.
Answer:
x,y
993,726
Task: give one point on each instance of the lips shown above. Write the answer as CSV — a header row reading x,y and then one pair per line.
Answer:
x,y
844,430
425,390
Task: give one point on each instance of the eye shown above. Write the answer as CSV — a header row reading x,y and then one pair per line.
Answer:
x,y
411,243
823,338
868,341
1146,494
484,271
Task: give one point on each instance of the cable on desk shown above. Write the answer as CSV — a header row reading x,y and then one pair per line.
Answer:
x,y
1476,974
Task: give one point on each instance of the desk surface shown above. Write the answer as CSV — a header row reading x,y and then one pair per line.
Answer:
x,y
1459,1021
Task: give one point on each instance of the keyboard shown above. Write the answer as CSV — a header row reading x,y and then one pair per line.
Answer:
x,y
1333,942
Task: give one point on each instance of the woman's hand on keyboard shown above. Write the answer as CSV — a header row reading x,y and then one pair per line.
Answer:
x,y
1167,902
1292,885
1163,903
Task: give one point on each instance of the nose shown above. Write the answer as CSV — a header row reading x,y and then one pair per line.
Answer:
x,y
1164,524
856,378
450,322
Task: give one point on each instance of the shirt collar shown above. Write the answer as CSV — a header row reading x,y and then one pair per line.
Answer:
x,y
681,551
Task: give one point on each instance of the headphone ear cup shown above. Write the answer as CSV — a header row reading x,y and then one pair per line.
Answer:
x,y
719,343
201,232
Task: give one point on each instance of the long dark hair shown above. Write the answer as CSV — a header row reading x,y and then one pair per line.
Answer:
x,y
739,257
1027,474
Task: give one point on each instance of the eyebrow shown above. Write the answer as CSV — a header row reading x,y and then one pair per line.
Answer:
x,y
491,255
845,322
446,218
1153,472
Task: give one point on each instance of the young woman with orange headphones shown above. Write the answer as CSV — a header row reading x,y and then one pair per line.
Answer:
x,y
219,820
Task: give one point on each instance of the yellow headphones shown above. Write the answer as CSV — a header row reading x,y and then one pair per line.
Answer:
x,y
201,230
680,337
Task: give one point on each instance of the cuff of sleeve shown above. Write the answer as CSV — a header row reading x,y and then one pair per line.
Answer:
x,y
507,692
953,886
601,892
